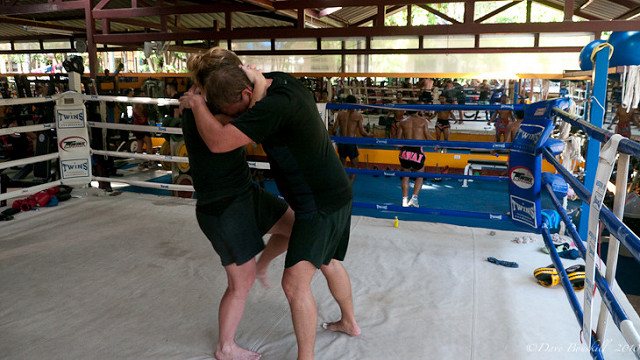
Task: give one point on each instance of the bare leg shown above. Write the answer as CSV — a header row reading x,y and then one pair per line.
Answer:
x,y
140,143
446,134
240,280
417,186
340,287
405,185
147,141
296,283
354,164
280,233
438,133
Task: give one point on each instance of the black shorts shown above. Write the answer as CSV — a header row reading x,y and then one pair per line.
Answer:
x,y
426,96
348,151
320,238
235,225
412,157
140,135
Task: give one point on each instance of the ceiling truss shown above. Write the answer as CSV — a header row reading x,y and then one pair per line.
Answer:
x,y
303,19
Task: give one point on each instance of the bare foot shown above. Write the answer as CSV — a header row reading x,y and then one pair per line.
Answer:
x,y
340,326
264,279
235,352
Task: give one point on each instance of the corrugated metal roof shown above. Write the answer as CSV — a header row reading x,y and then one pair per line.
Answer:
x,y
605,10
353,15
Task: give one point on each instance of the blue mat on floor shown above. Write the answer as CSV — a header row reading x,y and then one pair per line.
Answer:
x,y
448,194
480,196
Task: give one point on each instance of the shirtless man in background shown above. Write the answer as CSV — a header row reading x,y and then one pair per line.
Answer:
x,y
503,119
412,158
624,118
398,115
513,128
442,122
348,121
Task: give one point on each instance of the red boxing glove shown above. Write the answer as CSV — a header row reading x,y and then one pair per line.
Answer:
x,y
53,190
42,198
17,204
28,203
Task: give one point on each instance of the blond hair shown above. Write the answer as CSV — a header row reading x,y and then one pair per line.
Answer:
x,y
202,64
217,72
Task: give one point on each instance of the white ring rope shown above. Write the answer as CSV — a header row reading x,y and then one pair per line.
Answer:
x,y
134,99
604,111
145,128
28,128
146,184
31,100
30,190
123,154
29,160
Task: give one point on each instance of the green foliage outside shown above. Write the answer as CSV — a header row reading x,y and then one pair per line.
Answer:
x,y
514,14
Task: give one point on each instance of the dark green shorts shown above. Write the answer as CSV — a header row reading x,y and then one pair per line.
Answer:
x,y
320,238
235,225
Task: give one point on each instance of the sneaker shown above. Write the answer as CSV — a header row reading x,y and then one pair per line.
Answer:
x,y
414,202
405,202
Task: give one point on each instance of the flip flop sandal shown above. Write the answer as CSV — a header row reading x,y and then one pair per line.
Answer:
x,y
547,276
576,276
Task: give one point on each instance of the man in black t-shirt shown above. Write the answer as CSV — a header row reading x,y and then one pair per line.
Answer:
x,y
171,92
234,213
278,112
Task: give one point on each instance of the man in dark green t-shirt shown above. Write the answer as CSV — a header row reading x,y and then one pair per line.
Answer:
x,y
279,112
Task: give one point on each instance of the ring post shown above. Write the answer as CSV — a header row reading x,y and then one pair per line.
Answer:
x,y
525,163
73,140
600,73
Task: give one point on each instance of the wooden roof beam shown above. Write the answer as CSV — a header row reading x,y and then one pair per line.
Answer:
x,y
294,4
148,24
438,13
373,17
101,4
265,4
40,24
172,10
561,8
497,11
569,7
42,8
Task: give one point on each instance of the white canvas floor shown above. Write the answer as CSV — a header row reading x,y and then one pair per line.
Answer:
x,y
132,277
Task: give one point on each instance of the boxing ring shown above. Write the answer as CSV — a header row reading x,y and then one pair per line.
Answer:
x,y
132,276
